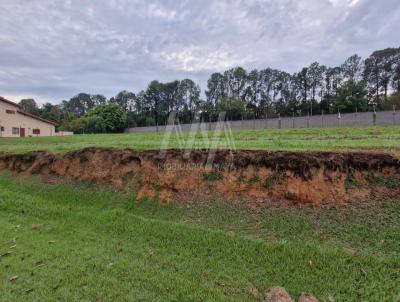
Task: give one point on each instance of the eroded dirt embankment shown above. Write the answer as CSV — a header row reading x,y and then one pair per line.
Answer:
x,y
312,177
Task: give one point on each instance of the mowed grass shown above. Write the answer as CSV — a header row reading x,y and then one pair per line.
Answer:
x,y
380,138
98,243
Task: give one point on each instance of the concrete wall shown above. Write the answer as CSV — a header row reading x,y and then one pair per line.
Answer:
x,y
63,133
316,121
18,120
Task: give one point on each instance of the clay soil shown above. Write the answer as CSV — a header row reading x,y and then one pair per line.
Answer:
x,y
253,177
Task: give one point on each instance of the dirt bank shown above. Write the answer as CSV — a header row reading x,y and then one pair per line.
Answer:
x,y
312,177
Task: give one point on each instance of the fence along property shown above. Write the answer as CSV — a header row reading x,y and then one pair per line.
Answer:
x,y
315,121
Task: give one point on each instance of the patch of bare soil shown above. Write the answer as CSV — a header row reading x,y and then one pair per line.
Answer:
x,y
257,178
279,294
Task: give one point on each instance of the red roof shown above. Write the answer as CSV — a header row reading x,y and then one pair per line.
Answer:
x,y
26,113
36,117
9,102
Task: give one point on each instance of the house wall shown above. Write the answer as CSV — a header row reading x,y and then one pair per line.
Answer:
x,y
18,120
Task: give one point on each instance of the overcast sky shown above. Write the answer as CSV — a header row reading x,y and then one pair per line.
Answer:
x,y
54,49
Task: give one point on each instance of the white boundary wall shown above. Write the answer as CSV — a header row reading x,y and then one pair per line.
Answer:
x,y
315,121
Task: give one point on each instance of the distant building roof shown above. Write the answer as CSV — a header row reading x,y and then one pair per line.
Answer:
x,y
26,113
9,102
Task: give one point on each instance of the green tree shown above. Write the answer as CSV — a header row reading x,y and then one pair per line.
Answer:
x,y
304,81
189,92
153,101
352,68
95,124
50,112
125,99
252,91
235,109
83,102
351,97
113,116
396,72
85,124
29,105
267,81
216,88
379,72
78,126
236,79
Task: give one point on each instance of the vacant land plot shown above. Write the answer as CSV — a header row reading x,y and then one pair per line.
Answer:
x,y
79,242
63,240
383,138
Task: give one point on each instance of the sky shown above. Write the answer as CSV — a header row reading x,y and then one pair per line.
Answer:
x,y
51,50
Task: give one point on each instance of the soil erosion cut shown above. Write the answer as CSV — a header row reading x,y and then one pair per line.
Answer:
x,y
255,176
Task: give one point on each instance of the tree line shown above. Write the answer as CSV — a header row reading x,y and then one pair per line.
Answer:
x,y
356,85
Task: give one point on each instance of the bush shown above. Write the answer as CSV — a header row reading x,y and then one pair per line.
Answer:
x,y
78,125
235,109
112,115
101,119
86,124
95,124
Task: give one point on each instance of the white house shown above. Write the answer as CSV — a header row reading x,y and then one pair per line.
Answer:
x,y
16,123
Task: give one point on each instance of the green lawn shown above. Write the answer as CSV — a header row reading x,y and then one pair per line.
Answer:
x,y
97,243
383,138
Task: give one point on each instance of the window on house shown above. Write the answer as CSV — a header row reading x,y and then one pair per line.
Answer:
x,y
15,131
36,131
10,111
2,129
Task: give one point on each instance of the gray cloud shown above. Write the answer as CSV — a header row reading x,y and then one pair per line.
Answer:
x,y
53,50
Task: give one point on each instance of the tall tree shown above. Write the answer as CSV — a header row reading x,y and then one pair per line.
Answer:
x,y
251,94
266,83
350,97
51,112
252,90
171,97
83,102
216,88
125,99
316,75
379,72
352,68
189,91
29,105
236,79
289,94
153,100
371,75
396,72
303,78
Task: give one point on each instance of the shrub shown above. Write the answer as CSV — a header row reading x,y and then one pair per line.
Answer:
x,y
86,124
212,176
95,124
78,126
113,116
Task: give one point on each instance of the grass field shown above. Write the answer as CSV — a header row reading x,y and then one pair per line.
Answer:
x,y
96,243
382,138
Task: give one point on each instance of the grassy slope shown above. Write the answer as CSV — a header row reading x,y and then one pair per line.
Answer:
x,y
386,138
108,247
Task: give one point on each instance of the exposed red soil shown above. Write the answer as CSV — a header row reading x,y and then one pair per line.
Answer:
x,y
257,176
277,294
